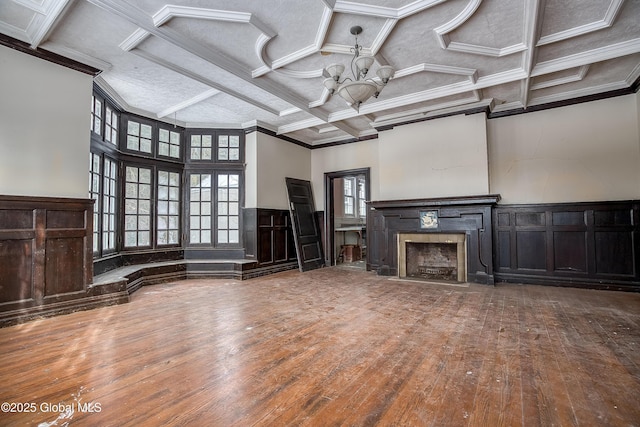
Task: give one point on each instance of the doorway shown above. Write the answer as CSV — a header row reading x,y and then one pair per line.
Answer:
x,y
346,194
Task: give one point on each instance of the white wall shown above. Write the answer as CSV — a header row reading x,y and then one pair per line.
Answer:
x,y
44,127
358,155
435,158
583,152
269,161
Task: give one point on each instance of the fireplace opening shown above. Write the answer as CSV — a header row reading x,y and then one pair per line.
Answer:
x,y
432,256
432,261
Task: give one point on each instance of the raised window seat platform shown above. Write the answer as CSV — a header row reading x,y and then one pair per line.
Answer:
x,y
115,286
132,277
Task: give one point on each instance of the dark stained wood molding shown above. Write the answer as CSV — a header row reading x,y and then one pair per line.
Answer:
x,y
272,133
440,201
346,141
46,55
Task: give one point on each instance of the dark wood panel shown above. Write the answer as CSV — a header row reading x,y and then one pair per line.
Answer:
x,y
16,272
65,219
570,251
16,219
64,255
265,245
614,252
593,244
531,251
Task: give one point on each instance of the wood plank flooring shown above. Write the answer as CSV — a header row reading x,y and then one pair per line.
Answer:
x,y
330,347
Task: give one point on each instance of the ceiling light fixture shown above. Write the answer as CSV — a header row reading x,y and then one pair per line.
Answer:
x,y
359,89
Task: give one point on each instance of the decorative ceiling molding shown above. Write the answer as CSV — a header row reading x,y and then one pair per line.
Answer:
x,y
471,73
321,34
633,76
579,75
40,27
606,22
131,42
188,103
442,35
604,53
382,11
533,18
32,5
418,113
302,124
169,12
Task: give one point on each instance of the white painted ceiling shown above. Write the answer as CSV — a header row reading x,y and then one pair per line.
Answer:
x,y
242,63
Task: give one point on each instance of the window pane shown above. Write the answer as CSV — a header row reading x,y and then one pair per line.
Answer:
x,y
145,131
137,206
133,128
200,208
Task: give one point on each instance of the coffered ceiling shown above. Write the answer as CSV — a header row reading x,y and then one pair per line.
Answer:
x,y
243,63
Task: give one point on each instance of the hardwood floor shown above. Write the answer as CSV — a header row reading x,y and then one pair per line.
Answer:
x,y
330,347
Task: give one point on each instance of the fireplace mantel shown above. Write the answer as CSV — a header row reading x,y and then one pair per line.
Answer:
x,y
470,215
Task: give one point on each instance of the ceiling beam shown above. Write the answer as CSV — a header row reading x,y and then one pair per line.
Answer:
x,y
533,16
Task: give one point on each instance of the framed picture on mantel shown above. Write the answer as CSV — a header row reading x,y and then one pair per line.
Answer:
x,y
429,219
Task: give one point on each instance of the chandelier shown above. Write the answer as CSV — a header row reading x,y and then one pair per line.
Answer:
x,y
359,89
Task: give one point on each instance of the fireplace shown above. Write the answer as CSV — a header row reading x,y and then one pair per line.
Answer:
x,y
432,256
469,216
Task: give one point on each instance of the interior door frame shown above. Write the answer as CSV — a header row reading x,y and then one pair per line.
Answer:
x,y
329,220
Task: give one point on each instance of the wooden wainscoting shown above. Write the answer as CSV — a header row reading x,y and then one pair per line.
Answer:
x,y
46,264
578,244
268,238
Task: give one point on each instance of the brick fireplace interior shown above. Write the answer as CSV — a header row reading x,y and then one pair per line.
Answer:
x,y
432,256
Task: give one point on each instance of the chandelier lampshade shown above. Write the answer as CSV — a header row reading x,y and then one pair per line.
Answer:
x,y
355,93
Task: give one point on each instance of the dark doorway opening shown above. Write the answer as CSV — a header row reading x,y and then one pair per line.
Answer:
x,y
346,193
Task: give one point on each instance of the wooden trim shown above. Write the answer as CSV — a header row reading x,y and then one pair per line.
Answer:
x,y
46,55
440,201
